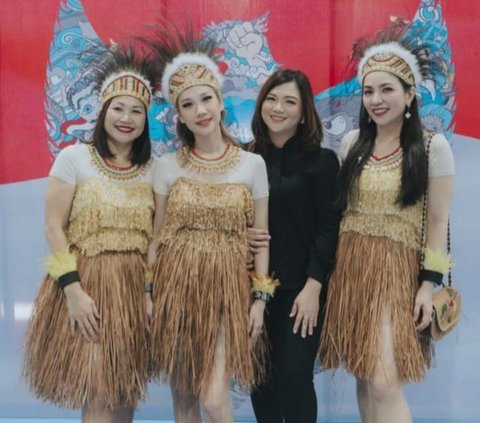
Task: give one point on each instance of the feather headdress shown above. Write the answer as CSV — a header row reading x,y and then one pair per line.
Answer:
x,y
398,50
183,61
124,71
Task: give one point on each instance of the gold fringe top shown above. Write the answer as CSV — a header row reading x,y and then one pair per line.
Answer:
x,y
207,216
111,216
372,209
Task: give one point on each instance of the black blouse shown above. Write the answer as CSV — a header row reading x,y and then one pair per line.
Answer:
x,y
302,221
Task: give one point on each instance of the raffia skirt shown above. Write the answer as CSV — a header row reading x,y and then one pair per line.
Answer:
x,y
374,279
198,297
68,371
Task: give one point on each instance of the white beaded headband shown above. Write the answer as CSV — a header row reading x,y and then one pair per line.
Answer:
x,y
390,57
126,82
187,70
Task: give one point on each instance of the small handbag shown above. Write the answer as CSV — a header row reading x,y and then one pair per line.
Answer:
x,y
447,306
447,302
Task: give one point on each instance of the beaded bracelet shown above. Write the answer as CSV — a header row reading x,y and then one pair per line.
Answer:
x,y
264,296
148,280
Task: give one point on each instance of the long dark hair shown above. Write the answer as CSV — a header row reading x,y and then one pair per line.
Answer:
x,y
414,171
310,132
141,149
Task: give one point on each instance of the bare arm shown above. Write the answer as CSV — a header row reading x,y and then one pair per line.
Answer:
x,y
160,211
438,210
81,308
261,223
57,210
261,267
438,207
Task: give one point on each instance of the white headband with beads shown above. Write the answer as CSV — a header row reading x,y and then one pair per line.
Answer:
x,y
396,49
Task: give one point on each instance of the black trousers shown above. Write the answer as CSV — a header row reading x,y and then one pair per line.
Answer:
x,y
288,394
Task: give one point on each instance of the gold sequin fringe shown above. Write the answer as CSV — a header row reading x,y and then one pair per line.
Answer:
x,y
110,228
375,212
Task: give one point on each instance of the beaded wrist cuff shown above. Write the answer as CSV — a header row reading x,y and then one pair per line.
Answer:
x,y
264,296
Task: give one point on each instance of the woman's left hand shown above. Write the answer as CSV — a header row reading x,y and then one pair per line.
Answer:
x,y
423,306
255,326
306,306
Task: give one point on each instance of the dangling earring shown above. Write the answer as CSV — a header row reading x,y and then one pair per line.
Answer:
x,y
408,115
302,121
369,119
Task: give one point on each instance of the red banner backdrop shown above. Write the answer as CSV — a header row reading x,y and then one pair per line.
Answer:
x,y
315,36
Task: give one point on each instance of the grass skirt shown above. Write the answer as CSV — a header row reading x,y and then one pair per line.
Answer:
x,y
63,368
197,294
373,276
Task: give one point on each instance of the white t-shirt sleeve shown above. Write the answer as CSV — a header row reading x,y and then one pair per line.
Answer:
x,y
162,171
441,157
346,144
260,178
65,165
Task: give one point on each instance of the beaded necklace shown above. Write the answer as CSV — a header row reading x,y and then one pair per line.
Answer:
x,y
196,163
112,171
378,159
387,162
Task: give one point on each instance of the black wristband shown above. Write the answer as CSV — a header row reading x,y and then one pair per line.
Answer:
x,y
430,276
68,278
260,295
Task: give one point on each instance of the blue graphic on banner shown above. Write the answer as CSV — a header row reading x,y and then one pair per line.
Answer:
x,y
249,62
72,101
338,106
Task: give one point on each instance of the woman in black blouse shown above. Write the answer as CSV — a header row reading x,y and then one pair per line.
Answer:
x,y
303,226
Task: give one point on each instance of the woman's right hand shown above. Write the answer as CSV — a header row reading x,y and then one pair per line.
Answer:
x,y
257,239
82,311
